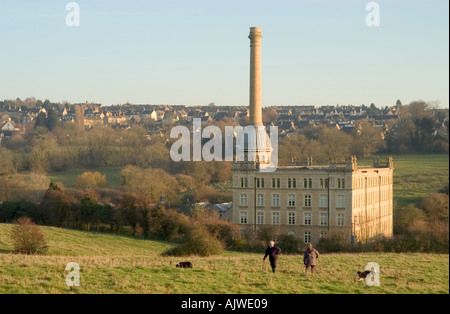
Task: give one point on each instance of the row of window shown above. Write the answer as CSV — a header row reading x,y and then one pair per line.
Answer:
x,y
291,183
291,218
362,182
372,197
292,200
372,213
371,230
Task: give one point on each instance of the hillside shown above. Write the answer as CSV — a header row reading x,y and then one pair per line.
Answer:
x,y
118,264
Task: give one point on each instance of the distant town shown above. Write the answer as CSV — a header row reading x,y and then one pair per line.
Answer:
x,y
15,115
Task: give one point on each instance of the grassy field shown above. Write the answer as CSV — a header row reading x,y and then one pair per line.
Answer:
x,y
415,176
118,264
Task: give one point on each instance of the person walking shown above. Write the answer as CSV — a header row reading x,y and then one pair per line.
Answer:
x,y
309,258
273,252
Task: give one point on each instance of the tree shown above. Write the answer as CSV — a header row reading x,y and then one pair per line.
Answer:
x,y
436,207
298,148
90,180
335,143
367,139
270,115
47,104
128,210
151,184
56,208
405,216
6,162
419,109
41,120
52,119
423,135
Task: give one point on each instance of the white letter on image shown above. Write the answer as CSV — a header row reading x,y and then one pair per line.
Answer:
x,y
73,278
373,279
213,144
73,17
373,18
183,143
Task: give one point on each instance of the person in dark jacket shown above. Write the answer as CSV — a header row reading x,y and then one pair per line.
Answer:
x,y
309,258
273,252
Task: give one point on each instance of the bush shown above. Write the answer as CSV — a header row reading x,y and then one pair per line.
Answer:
x,y
225,231
28,238
169,225
291,244
198,242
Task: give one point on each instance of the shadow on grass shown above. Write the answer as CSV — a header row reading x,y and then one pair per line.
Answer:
x,y
6,251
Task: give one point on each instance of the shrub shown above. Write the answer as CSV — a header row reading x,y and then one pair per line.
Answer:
x,y
291,244
198,242
225,231
28,238
169,225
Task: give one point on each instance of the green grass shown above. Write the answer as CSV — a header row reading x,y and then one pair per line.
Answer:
x,y
67,178
416,176
118,264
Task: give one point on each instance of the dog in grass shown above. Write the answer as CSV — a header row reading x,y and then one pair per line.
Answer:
x,y
362,275
184,265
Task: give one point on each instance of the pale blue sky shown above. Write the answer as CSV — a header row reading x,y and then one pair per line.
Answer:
x,y
193,52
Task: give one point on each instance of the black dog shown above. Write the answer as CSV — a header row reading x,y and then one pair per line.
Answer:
x,y
184,265
363,274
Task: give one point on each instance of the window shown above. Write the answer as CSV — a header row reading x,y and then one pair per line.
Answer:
x,y
243,218
260,200
276,218
244,200
340,201
292,183
291,232
291,219
324,183
324,219
244,182
323,201
340,219
291,202
260,182
260,218
276,183
307,237
341,183
307,200
276,200
307,183
323,234
307,219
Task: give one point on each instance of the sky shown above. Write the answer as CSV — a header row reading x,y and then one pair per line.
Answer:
x,y
196,52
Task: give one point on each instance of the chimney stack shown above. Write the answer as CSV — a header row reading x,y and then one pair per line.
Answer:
x,y
255,76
